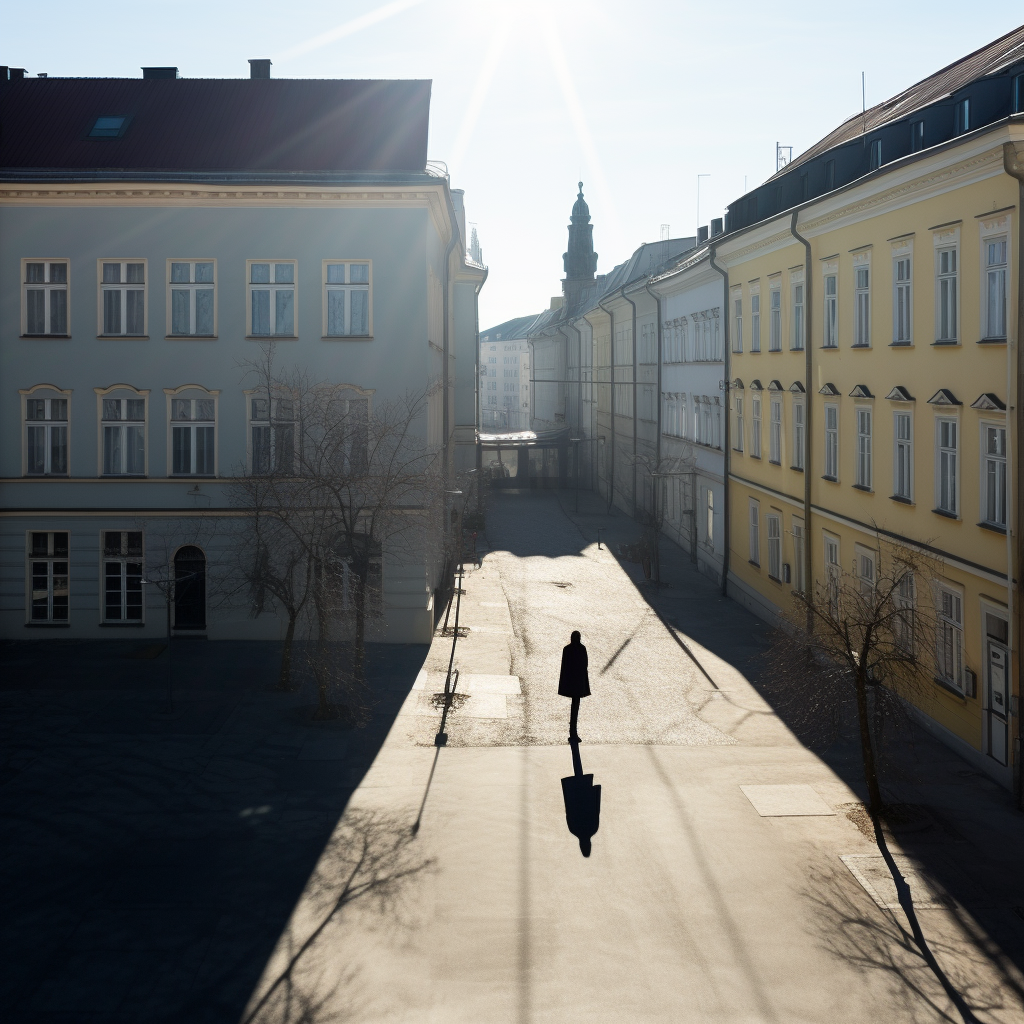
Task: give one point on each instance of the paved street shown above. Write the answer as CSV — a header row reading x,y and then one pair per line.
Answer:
x,y
208,854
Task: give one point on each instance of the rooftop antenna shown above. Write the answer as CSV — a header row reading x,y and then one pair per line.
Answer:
x,y
699,176
664,232
863,103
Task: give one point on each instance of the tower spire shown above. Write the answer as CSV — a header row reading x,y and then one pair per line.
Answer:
x,y
580,262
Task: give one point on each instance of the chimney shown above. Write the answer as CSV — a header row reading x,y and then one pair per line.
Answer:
x,y
702,235
259,67
17,74
716,226
159,72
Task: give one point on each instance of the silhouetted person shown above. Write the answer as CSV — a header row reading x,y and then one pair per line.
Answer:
x,y
573,680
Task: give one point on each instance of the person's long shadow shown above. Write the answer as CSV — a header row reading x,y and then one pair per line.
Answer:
x,y
582,802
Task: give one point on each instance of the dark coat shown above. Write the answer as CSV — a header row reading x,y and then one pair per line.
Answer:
x,y
573,680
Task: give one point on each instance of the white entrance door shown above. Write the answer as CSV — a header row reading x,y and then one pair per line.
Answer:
x,y
997,679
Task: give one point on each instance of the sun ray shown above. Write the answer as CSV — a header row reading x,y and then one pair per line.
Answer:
x,y
349,28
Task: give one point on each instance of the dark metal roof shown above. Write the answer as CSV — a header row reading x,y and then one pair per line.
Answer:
x,y
510,330
227,125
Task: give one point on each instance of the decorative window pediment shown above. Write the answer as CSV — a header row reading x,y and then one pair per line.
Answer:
x,y
944,397
989,402
755,385
900,394
774,385
829,390
797,388
861,391
737,385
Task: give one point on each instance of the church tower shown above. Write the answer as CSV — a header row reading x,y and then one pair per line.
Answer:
x,y
580,261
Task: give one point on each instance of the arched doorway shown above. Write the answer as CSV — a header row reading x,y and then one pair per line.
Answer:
x,y
190,588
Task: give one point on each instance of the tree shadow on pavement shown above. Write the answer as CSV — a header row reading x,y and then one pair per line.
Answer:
x,y
154,853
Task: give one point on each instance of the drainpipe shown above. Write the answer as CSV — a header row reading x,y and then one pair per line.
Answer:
x,y
611,373
476,385
579,391
808,416
445,345
622,292
657,420
727,429
1013,164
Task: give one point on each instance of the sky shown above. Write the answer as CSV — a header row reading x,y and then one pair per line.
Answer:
x,y
531,96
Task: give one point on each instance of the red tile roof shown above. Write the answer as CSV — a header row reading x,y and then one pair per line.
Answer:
x,y
211,125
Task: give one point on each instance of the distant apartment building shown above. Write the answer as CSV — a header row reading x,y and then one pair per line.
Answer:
x,y
505,386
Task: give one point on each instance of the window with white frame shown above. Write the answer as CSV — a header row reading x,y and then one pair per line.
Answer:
x,y
831,311
755,532
709,518
947,468
773,527
904,602
775,320
799,583
775,431
864,454
994,475
272,432
122,576
962,116
272,299
48,576
832,441
123,294
738,432
737,330
902,302
866,561
193,440
755,323
903,456
798,316
949,661
875,154
45,306
833,574
755,426
346,299
798,433
46,436
191,285
862,306
124,436
947,286
994,253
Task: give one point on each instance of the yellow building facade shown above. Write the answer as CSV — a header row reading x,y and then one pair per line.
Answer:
x,y
874,390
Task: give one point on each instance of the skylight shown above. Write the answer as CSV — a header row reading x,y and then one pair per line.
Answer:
x,y
107,127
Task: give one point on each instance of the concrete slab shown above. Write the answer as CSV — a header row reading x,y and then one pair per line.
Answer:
x,y
873,874
490,684
781,801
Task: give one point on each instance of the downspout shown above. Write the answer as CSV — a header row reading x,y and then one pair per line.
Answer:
x,y
476,385
622,292
1013,164
579,391
445,344
611,374
727,429
657,420
808,417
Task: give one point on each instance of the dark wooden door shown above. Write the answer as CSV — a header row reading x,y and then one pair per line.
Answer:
x,y
190,589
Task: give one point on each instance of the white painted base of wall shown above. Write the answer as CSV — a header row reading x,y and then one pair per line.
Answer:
x,y
754,602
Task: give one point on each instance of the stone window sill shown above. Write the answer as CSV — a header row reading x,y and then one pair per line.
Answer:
x,y
1001,530
945,515
900,499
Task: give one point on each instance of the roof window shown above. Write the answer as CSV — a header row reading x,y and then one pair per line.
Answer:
x,y
108,127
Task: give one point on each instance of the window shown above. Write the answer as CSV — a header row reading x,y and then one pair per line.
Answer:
x,y
709,519
994,481
946,475
875,154
192,300
799,584
831,312
903,456
122,576
271,300
903,621
46,436
830,174
123,298
346,299
737,332
1018,94
798,316
862,307
864,448
916,136
866,573
273,437
798,434
46,297
124,436
832,442
774,546
192,436
48,577
738,438
755,426
755,533
832,574
775,431
108,127
950,638
775,323
946,288
995,288
901,302
962,116
755,323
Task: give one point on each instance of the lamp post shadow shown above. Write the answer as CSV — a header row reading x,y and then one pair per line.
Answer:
x,y
582,802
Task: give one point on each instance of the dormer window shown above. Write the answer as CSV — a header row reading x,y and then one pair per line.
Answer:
x,y
916,136
875,154
108,127
962,117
